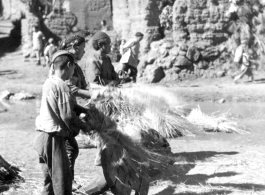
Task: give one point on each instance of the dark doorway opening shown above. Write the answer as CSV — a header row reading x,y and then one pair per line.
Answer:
x,y
13,41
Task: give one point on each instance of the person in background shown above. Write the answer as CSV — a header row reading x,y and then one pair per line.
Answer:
x,y
247,65
238,56
100,70
130,52
123,41
38,43
104,26
50,49
55,123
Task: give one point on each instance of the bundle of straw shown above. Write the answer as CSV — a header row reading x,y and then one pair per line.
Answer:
x,y
214,123
136,110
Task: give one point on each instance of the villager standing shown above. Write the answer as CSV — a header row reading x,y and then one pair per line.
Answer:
x,y
123,41
104,26
57,122
50,49
75,44
247,66
239,55
130,52
38,43
100,70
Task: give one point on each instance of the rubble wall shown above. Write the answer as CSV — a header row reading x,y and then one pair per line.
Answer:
x,y
132,16
91,12
202,22
60,24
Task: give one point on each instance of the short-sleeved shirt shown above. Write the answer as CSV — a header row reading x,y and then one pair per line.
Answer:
x,y
130,55
56,111
37,40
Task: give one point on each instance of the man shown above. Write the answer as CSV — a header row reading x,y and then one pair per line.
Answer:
x,y
130,52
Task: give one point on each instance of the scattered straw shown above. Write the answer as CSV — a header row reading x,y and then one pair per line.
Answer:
x,y
214,123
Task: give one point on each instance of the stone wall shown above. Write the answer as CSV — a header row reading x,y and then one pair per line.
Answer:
x,y
60,23
137,15
91,12
200,22
11,9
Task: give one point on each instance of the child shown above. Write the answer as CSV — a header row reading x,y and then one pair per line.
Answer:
x,y
247,66
49,51
123,41
101,71
56,122
38,39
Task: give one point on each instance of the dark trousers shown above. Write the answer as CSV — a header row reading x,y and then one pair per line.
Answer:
x,y
55,164
133,71
72,151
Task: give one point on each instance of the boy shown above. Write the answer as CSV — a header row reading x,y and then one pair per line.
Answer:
x,y
56,123
37,40
101,71
49,51
247,66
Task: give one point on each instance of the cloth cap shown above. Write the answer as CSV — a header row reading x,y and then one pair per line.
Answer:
x,y
60,53
100,35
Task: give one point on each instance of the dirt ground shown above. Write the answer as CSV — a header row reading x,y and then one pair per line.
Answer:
x,y
209,163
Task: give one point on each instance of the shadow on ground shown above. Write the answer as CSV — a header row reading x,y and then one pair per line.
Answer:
x,y
178,174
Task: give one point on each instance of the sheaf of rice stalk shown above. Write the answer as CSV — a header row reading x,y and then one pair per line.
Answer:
x,y
138,110
214,123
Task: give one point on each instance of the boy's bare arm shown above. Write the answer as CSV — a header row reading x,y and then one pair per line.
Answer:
x,y
84,93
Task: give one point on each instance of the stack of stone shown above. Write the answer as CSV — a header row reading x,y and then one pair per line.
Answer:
x,y
200,21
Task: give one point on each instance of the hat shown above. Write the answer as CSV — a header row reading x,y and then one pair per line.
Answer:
x,y
139,34
60,53
100,35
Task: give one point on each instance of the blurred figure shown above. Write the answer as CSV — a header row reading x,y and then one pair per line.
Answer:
x,y
49,51
130,52
123,41
104,26
38,43
247,65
